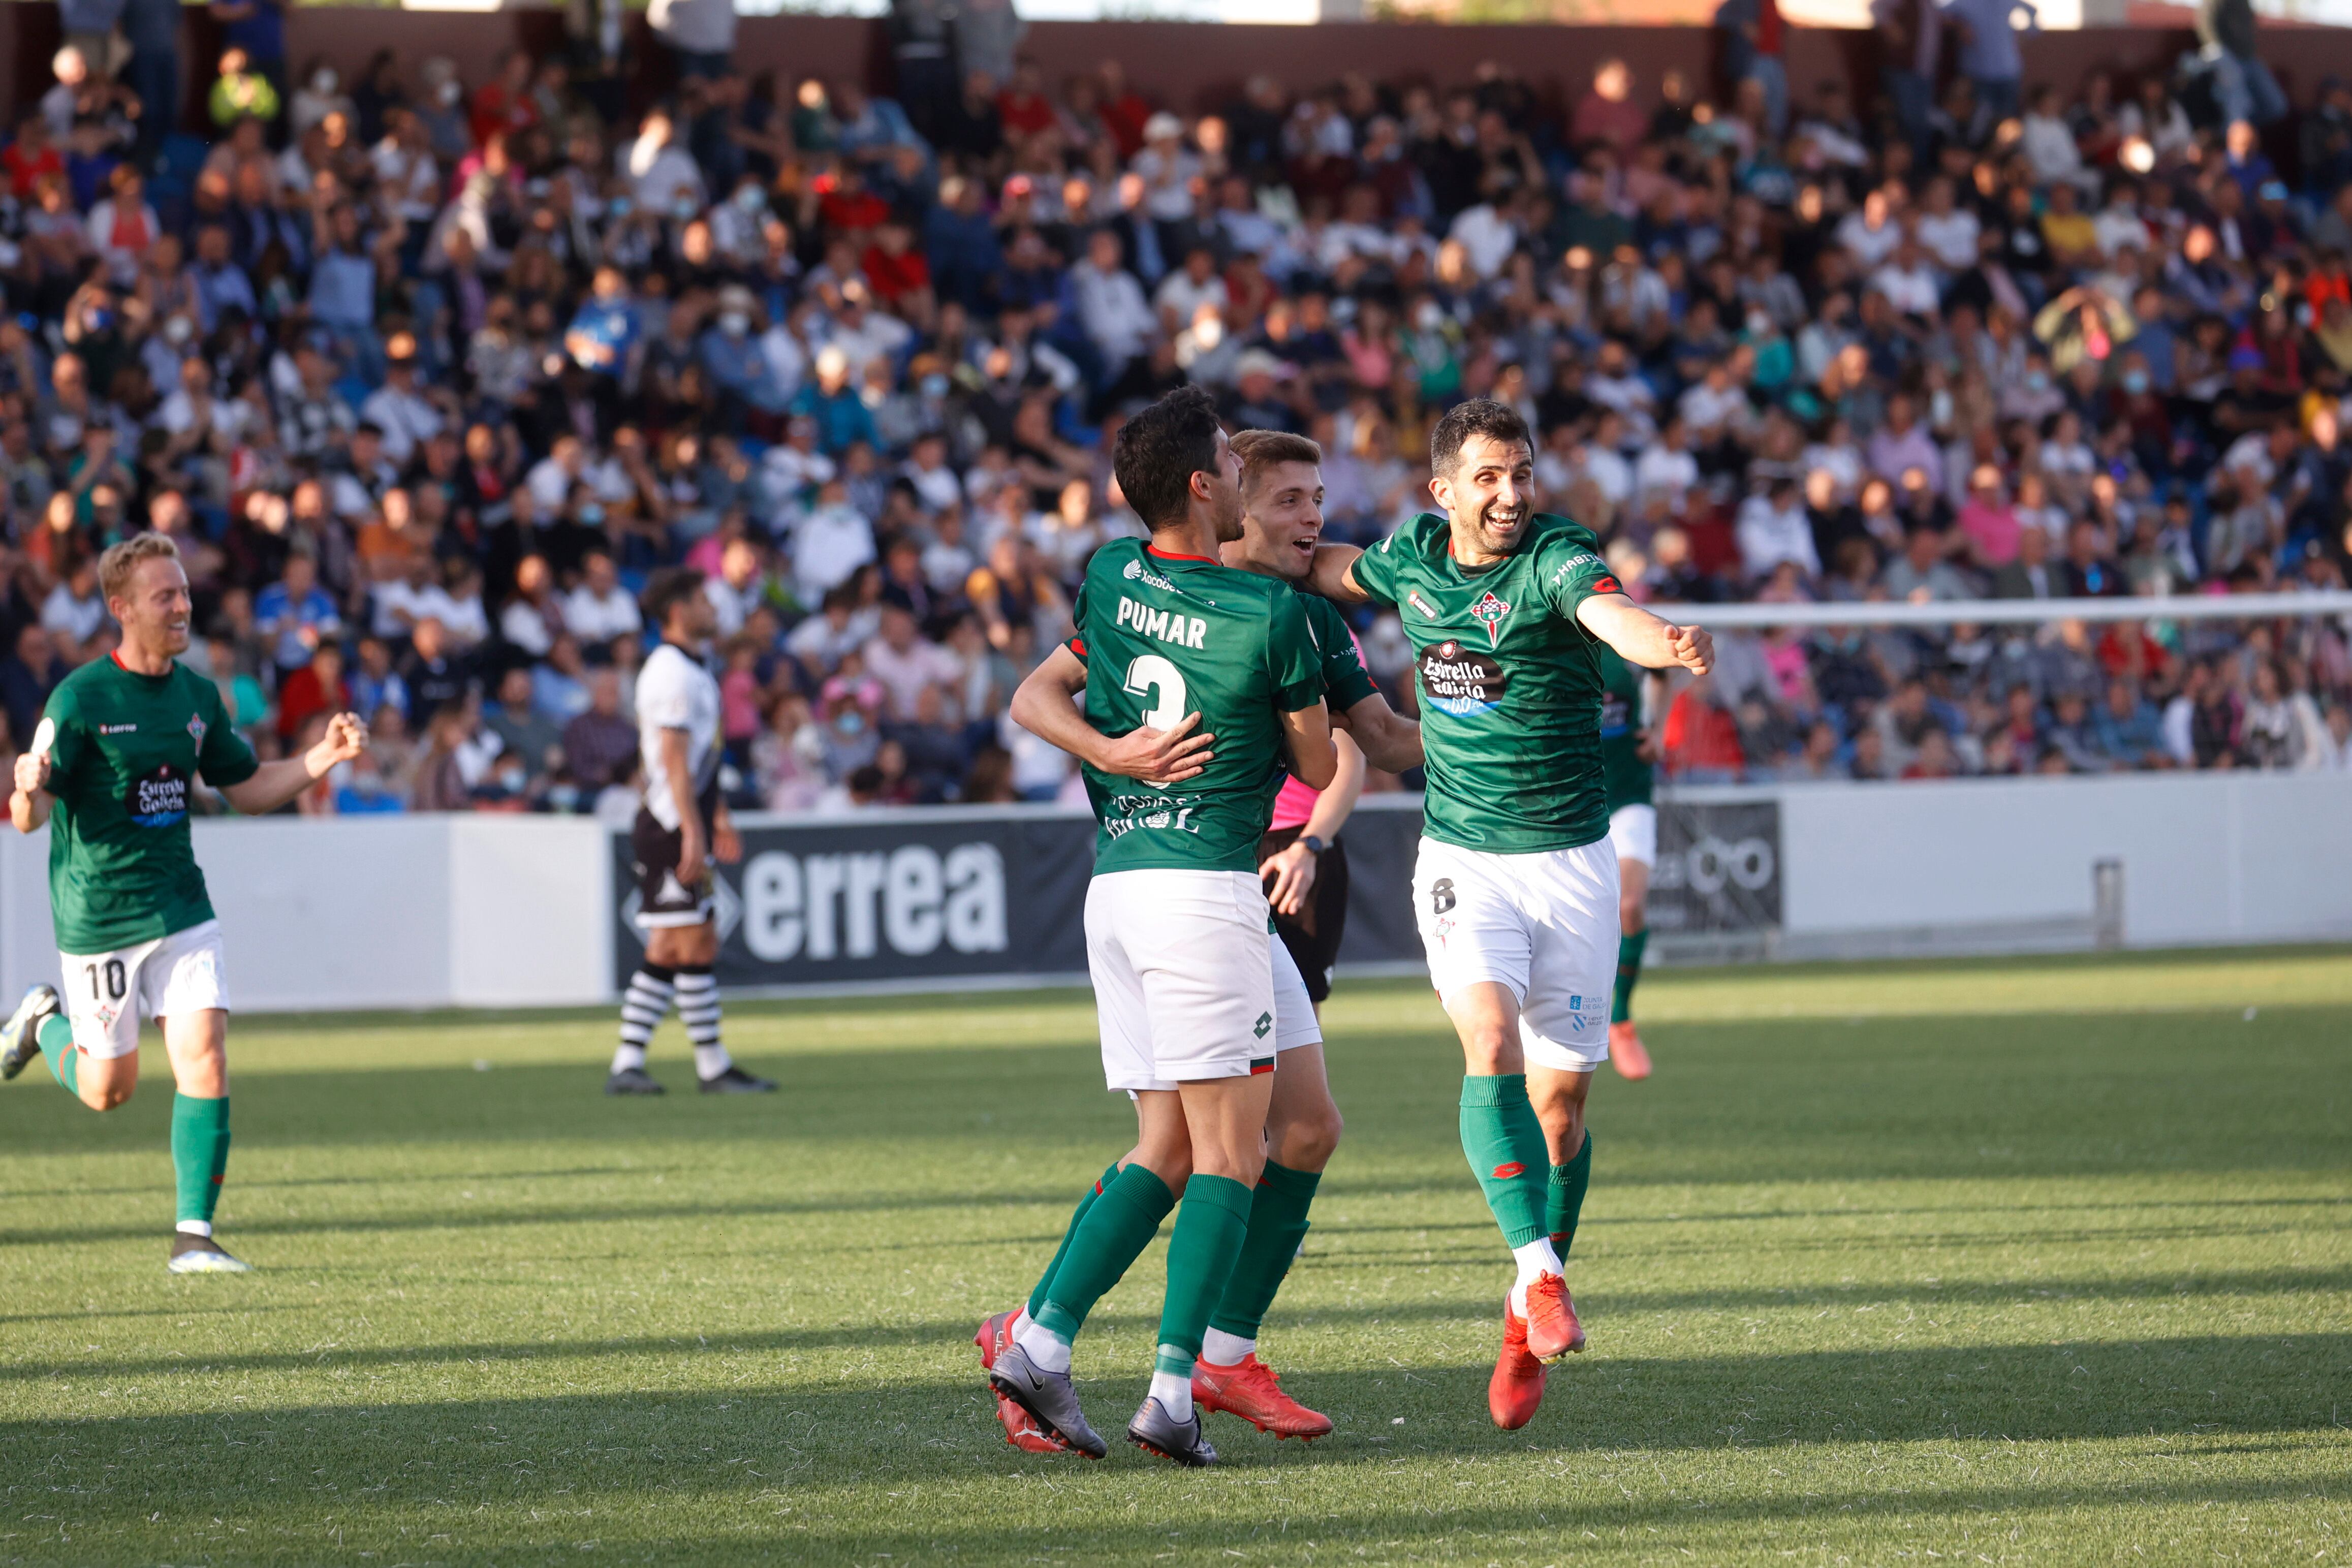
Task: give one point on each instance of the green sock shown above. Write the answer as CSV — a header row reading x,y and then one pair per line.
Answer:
x,y
199,1153
1117,1227
1277,1224
1077,1217
56,1035
1565,1201
1504,1145
1629,970
1210,1230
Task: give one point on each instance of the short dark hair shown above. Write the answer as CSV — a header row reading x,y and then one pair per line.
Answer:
x,y
1161,448
666,589
1478,416
1262,449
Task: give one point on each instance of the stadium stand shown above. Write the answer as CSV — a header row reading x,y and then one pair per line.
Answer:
x,y
428,369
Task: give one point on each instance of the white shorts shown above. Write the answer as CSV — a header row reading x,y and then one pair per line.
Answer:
x,y
1634,832
1183,980
105,993
1544,924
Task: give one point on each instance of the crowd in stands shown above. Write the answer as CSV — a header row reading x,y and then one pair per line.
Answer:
x,y
426,371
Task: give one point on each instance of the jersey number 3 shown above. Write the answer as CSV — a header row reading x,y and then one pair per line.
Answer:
x,y
1151,673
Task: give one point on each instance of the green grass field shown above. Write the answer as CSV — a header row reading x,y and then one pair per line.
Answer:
x,y
2043,1260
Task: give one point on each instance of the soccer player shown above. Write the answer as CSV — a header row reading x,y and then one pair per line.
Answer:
x,y
108,772
1628,761
1514,888
1304,867
682,824
1200,682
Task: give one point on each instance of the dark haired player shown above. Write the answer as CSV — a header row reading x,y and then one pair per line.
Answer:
x,y
681,825
1173,651
1516,884
119,745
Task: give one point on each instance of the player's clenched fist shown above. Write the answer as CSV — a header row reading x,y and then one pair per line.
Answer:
x,y
32,770
1693,648
346,737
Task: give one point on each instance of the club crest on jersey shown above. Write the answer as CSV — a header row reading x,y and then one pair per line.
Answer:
x,y
1423,605
196,729
1489,612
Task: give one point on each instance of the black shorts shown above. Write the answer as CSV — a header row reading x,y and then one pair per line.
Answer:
x,y
665,896
1312,935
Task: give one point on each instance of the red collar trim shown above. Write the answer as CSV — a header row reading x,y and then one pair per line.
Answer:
x,y
116,655
1172,555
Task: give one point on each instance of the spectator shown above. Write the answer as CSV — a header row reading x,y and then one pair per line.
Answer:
x,y
295,614
1987,32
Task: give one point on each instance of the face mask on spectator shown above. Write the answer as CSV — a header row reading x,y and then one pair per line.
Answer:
x,y
1428,317
324,82
734,323
2135,381
850,722
750,199
935,385
178,330
592,513
683,207
451,92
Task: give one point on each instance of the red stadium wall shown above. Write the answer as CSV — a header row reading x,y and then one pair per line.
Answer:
x,y
1185,66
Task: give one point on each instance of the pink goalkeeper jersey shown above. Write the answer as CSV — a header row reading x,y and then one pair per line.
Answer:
x,y
1295,804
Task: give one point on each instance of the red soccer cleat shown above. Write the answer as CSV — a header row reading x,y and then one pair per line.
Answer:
x,y
1553,1329
1253,1391
1626,1052
1516,1390
1021,1428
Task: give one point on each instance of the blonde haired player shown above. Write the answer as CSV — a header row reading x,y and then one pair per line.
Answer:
x,y
119,745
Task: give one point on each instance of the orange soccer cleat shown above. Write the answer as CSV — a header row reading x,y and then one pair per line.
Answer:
x,y
1516,1390
1021,1428
1626,1052
1253,1391
1553,1329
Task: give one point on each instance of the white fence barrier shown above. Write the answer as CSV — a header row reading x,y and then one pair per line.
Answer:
x,y
495,911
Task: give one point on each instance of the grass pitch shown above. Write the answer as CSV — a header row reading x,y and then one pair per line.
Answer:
x,y
1990,1262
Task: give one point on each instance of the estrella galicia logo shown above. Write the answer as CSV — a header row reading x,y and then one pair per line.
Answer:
x,y
158,799
1460,681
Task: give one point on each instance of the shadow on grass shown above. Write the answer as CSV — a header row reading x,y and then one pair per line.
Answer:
x,y
521,1451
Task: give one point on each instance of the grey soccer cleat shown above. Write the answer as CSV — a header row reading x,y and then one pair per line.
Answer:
x,y
1155,1431
1050,1396
735,1080
192,1254
20,1037
634,1081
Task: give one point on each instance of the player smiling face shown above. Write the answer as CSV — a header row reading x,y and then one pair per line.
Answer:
x,y
1283,518
153,608
1489,497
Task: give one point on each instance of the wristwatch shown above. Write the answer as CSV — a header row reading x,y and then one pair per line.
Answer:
x,y
1313,844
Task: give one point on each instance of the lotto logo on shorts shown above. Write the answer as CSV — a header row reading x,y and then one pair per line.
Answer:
x,y
1265,1022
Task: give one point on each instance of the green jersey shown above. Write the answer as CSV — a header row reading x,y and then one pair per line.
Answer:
x,y
1165,635
1346,682
1510,682
122,750
1623,773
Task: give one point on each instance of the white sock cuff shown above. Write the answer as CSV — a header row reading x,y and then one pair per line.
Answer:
x,y
1219,1348
202,1227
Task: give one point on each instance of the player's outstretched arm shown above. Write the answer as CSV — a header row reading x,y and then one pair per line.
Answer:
x,y
1390,741
274,784
1314,760
1644,640
1333,575
1043,706
29,802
